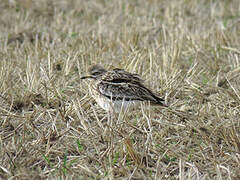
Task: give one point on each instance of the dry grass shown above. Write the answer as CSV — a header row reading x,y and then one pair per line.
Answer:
x,y
187,51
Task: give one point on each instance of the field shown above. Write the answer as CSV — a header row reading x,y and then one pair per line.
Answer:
x,y
187,51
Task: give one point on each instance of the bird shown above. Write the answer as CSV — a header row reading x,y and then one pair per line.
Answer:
x,y
118,90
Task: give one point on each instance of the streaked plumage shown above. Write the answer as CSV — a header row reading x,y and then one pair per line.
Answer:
x,y
118,89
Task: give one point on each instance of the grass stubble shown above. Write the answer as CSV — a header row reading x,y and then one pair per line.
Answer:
x,y
187,52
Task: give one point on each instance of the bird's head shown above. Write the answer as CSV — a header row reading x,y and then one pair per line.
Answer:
x,y
95,71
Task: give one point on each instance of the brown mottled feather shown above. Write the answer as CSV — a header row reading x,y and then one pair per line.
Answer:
x,y
119,85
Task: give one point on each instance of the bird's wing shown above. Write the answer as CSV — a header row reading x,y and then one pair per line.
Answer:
x,y
127,91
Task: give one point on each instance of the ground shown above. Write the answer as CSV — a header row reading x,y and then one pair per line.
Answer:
x,y
186,51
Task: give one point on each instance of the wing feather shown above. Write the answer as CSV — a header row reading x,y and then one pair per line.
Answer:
x,y
127,92
119,84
